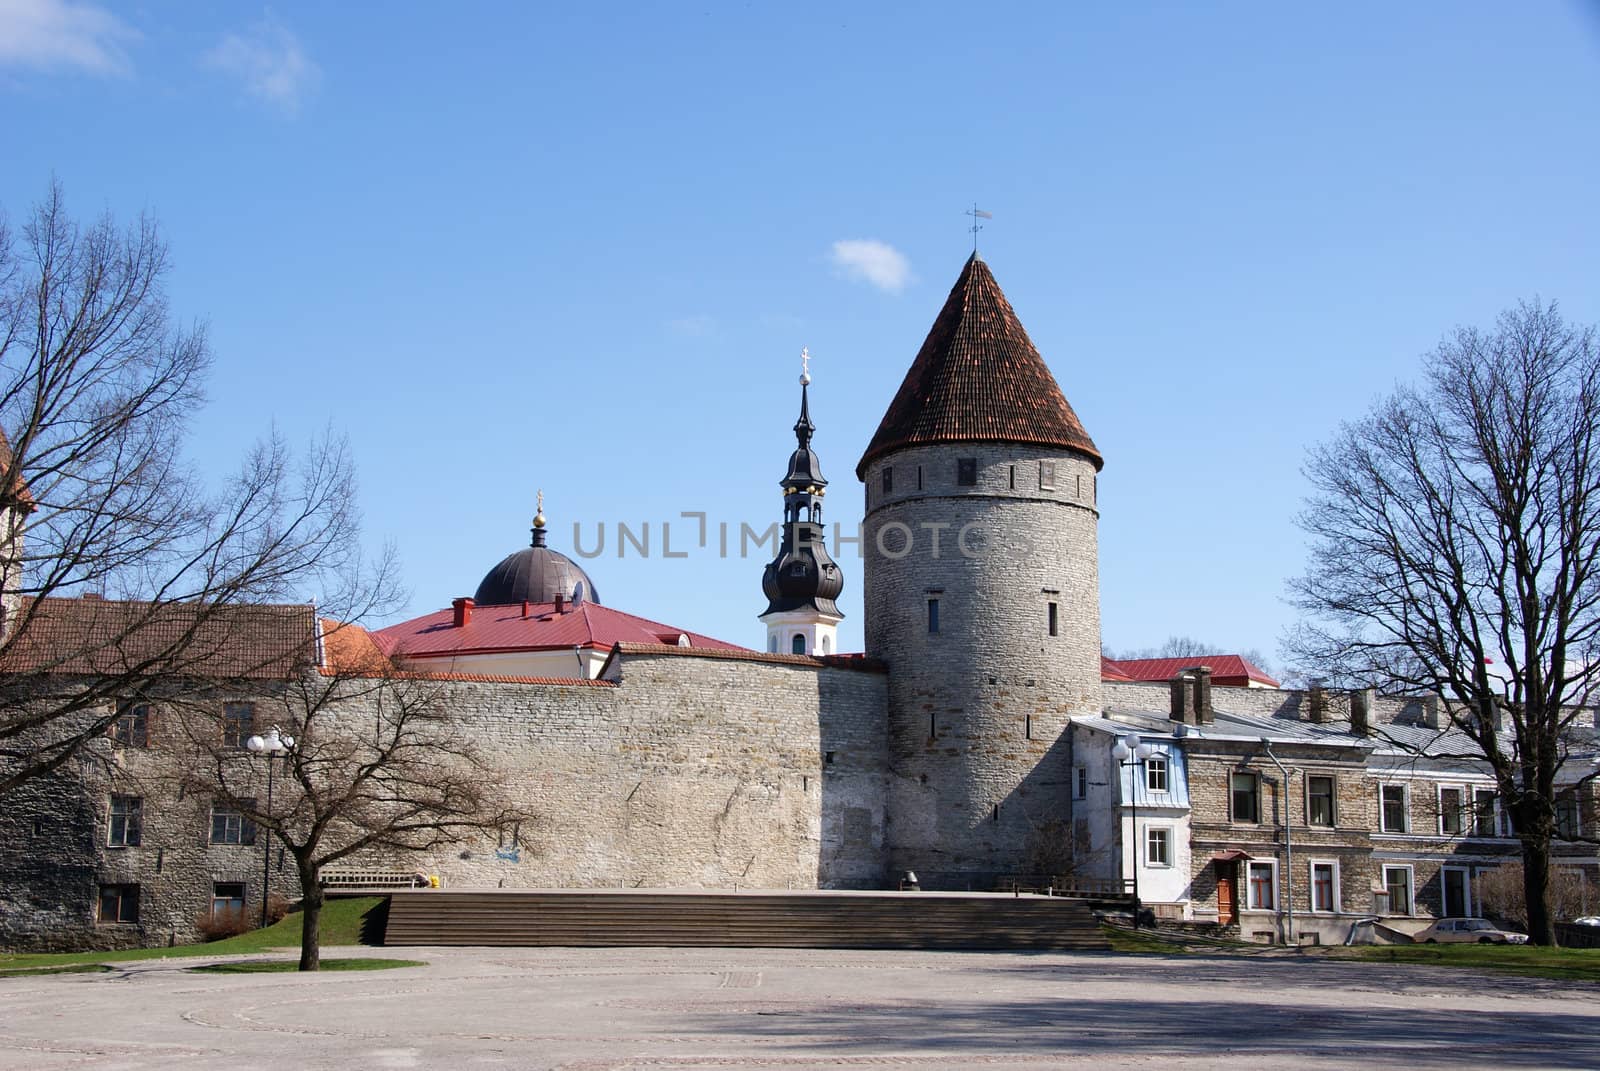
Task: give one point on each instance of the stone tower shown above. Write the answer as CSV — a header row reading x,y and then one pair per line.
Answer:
x,y
982,593
802,582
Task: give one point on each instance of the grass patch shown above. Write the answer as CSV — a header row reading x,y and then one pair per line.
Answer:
x,y
65,968
345,921
1570,964
276,966
1126,940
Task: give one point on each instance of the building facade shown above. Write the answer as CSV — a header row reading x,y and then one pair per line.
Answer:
x,y
972,742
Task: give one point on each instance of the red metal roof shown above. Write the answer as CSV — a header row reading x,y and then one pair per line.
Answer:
x,y
1110,672
504,628
978,378
1226,669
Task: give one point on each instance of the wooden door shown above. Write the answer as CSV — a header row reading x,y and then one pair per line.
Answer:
x,y
1227,893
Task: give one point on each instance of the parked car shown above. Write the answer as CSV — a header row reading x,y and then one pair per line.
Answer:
x,y
1481,931
1587,920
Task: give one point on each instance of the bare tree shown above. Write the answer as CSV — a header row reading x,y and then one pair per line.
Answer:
x,y
1456,535
97,389
378,765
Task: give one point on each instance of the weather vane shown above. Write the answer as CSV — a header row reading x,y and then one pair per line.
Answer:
x,y
805,367
977,214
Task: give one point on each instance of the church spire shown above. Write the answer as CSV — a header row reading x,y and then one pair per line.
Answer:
x,y
802,582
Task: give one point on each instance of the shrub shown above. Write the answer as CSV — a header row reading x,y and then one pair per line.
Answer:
x,y
214,927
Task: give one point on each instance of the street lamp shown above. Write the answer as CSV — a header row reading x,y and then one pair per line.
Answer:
x,y
271,746
1131,752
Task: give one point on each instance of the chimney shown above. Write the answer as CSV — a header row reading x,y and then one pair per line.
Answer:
x,y
463,609
1205,714
1362,700
561,602
1317,702
1430,711
1183,710
524,609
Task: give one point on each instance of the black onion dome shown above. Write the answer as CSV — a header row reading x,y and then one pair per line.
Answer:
x,y
803,576
537,574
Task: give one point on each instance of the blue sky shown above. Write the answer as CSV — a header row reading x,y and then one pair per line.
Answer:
x,y
579,247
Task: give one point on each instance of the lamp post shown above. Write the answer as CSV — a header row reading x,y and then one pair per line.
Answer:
x,y
1131,752
272,745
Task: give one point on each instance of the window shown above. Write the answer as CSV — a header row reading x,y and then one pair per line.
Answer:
x,y
126,827
1050,618
132,727
1245,789
1397,882
1262,887
1080,782
1452,810
1392,813
1047,475
1158,846
238,723
231,827
1013,478
888,479
119,903
227,898
1319,800
967,472
1324,886
798,644
1155,773
772,645
1483,813
1567,815
933,615
919,477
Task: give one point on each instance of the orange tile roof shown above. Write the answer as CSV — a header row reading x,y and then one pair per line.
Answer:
x,y
505,628
978,378
112,637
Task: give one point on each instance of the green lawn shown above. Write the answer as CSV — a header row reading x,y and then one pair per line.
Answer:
x,y
1574,964
1570,964
276,966
344,922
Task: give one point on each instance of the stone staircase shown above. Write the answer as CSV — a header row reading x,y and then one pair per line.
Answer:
x,y
741,919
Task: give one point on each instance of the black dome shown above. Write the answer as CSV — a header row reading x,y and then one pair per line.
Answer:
x,y
537,574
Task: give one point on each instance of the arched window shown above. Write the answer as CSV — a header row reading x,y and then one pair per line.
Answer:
x,y
825,645
799,644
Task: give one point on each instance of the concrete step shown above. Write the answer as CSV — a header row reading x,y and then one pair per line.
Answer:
x,y
595,918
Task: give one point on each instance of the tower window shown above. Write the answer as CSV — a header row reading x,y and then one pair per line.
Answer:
x,y
933,615
919,477
967,472
1050,618
1013,477
1047,475
798,644
772,645
888,479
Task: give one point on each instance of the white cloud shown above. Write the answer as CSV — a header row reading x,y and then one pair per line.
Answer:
x,y
268,59
871,261
55,34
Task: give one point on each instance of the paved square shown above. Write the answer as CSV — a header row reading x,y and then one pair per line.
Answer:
x,y
592,1009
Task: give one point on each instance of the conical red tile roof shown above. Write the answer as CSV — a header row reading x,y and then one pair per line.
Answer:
x,y
978,378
